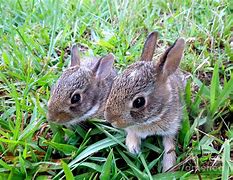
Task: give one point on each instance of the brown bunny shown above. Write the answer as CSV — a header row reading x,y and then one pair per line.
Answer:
x,y
145,98
81,91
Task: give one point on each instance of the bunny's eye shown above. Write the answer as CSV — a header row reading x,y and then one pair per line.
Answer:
x,y
75,99
139,102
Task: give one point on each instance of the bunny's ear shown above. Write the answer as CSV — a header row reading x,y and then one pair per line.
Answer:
x,y
75,58
170,60
149,46
103,67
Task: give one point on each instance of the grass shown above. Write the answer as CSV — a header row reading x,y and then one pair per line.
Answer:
x,y
35,37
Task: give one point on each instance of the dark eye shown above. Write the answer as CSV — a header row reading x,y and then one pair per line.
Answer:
x,y
139,102
75,99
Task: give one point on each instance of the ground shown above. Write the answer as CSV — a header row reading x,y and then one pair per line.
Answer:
x,y
36,37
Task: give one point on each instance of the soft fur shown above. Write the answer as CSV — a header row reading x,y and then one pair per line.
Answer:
x,y
90,77
160,83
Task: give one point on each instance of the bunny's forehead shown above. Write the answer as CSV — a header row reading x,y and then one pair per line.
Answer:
x,y
72,79
135,79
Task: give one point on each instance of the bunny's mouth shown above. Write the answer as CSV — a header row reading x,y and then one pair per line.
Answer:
x,y
58,117
117,125
121,124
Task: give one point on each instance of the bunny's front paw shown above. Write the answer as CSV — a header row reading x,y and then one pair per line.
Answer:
x,y
133,142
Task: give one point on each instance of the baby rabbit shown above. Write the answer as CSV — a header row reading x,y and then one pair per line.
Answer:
x,y
145,98
82,89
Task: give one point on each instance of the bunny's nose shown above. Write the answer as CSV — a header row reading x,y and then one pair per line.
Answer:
x,y
51,116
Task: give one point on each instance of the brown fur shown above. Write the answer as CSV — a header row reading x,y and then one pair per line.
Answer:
x,y
159,83
91,78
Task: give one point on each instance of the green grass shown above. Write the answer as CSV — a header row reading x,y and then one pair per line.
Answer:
x,y
34,37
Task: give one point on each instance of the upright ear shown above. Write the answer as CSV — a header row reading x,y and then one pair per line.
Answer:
x,y
75,58
149,46
103,67
170,60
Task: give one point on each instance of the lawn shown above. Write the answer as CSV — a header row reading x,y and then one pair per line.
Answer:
x,y
36,37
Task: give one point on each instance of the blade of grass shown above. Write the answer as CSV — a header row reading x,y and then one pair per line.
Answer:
x,y
106,170
67,171
145,166
214,87
91,165
226,156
